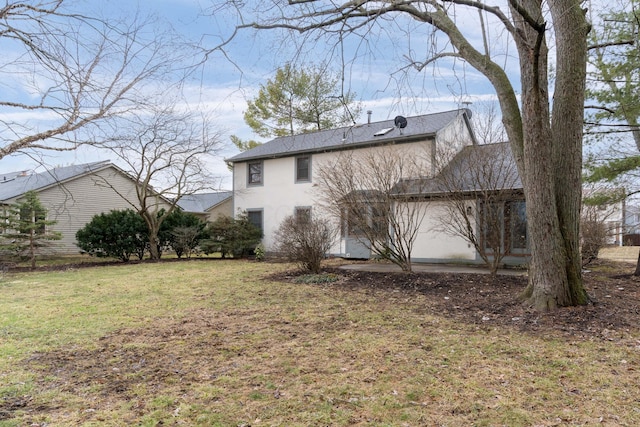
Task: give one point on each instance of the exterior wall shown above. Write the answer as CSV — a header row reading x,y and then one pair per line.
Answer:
x,y
433,245
450,140
74,203
613,217
223,209
279,194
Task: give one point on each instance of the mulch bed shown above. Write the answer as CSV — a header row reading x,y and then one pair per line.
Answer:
x,y
491,302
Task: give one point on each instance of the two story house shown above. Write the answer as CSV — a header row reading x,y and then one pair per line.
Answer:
x,y
279,178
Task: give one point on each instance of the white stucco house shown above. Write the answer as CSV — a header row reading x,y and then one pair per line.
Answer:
x,y
279,178
72,195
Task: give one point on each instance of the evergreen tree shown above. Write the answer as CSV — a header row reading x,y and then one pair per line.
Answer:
x,y
298,101
26,229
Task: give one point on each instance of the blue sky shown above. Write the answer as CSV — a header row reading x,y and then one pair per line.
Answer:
x,y
226,82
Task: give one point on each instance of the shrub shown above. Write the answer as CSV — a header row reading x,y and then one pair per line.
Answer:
x,y
182,232
184,240
117,234
304,241
260,252
236,237
593,238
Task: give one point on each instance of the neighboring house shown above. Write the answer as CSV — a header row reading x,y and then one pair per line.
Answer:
x,y
632,224
613,213
72,195
208,206
277,179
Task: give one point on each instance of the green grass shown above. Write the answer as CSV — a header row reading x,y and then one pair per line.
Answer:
x,y
213,343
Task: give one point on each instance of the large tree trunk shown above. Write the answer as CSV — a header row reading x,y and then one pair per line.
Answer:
x,y
553,188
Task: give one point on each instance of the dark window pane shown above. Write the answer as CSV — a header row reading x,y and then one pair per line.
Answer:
x,y
302,168
303,215
492,225
255,218
519,237
255,173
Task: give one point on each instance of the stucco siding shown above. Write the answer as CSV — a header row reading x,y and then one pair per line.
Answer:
x,y
433,243
279,194
277,197
450,140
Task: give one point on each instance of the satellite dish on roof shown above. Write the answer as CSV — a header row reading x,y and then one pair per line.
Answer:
x,y
400,122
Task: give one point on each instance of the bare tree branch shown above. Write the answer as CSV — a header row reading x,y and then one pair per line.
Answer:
x,y
84,71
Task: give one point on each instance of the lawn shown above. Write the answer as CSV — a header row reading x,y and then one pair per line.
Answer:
x,y
230,343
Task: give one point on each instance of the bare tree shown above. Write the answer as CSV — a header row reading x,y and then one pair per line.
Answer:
x,y
166,153
481,188
69,72
487,126
305,240
547,144
366,190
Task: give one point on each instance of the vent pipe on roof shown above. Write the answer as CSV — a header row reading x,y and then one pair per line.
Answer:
x,y
369,112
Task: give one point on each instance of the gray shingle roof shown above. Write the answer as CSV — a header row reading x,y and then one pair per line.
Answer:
x,y
351,136
14,184
491,166
204,201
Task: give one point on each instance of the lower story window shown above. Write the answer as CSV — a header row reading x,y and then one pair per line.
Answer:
x,y
255,217
504,227
518,227
303,214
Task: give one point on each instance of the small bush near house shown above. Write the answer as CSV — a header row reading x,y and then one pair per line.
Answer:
x,y
260,252
182,232
232,237
594,238
117,234
304,241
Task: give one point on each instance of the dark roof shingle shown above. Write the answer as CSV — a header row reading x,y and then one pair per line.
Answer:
x,y
14,184
351,136
203,201
475,168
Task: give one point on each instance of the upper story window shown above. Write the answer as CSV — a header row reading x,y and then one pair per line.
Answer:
x,y
303,168
255,170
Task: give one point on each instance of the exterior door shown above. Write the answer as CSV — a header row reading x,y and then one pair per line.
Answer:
x,y
357,247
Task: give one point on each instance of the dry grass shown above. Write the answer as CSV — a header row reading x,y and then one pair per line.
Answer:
x,y
620,253
213,343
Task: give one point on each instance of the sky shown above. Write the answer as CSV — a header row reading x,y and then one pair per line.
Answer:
x,y
224,83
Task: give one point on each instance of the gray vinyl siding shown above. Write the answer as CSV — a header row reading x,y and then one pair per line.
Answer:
x,y
74,203
223,209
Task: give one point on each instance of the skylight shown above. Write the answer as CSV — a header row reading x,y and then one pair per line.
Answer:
x,y
383,131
